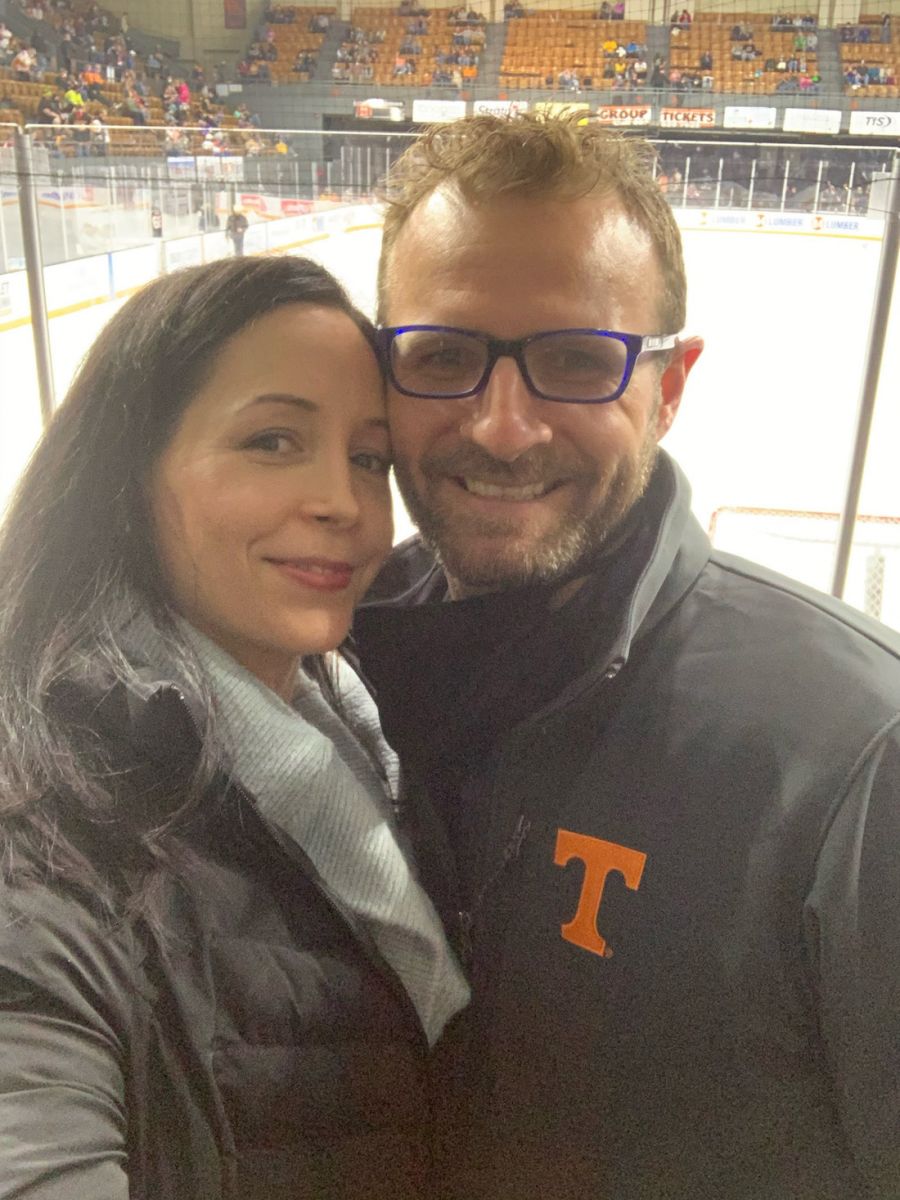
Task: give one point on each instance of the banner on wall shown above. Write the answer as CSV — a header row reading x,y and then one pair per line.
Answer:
x,y
632,114
433,112
687,118
812,120
749,117
499,108
377,109
875,124
557,108
235,14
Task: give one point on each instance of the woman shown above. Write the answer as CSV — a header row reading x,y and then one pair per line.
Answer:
x,y
218,975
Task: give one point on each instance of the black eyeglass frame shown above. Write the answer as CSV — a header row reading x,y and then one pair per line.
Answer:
x,y
635,344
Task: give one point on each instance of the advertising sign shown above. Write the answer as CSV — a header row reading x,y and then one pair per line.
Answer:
x,y
382,110
235,14
631,114
687,118
556,108
749,117
431,112
499,108
875,124
812,120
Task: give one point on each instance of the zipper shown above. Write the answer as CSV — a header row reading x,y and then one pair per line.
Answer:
x,y
467,917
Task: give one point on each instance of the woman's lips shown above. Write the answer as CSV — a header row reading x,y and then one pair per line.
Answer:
x,y
322,574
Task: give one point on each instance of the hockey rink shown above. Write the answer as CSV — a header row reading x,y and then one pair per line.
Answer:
x,y
769,413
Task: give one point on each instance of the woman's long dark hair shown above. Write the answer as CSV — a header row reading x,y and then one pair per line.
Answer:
x,y
77,558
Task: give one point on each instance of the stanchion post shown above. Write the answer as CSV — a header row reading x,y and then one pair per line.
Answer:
x,y
34,270
881,311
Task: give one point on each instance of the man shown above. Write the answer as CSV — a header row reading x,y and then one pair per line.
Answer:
x,y
669,779
236,229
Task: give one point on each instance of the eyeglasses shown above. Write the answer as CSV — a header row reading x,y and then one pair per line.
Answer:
x,y
574,366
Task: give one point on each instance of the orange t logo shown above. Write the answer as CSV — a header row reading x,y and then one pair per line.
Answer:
x,y
599,859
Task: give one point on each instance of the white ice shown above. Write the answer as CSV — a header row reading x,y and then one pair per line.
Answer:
x,y
770,410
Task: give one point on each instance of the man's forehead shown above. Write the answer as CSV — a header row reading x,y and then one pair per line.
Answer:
x,y
590,238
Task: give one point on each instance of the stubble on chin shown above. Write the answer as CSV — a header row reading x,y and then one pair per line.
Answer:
x,y
483,554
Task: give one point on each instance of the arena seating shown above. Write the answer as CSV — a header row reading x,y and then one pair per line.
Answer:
x,y
437,40
293,38
712,32
885,56
542,45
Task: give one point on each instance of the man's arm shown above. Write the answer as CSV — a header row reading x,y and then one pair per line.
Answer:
x,y
853,932
63,1006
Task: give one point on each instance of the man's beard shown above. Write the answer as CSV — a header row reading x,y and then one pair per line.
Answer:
x,y
504,559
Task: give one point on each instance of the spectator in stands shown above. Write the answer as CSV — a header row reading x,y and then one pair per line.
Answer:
x,y
91,82
135,106
50,108
304,62
513,10
99,135
658,74
72,95
23,64
706,60
605,11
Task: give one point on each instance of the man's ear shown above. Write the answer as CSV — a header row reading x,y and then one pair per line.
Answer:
x,y
674,377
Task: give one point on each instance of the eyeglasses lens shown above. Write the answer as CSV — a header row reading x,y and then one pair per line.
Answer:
x,y
437,363
576,366
563,365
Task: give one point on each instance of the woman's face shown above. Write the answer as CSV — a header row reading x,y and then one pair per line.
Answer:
x,y
271,504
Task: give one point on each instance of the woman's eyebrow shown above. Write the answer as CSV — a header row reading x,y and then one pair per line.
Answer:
x,y
284,398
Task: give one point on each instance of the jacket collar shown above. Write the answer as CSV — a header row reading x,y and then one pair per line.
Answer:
x,y
679,550
453,678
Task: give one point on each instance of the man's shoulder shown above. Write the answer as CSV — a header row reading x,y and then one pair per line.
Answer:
x,y
410,568
780,603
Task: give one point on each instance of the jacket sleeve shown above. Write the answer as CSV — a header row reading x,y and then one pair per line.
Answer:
x,y
63,1036
853,931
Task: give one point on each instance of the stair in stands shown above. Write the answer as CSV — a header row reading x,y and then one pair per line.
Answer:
x,y
328,50
492,56
657,45
828,61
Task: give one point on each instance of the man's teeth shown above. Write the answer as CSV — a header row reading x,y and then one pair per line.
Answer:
x,y
531,492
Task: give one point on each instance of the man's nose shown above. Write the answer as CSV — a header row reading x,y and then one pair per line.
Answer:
x,y
505,419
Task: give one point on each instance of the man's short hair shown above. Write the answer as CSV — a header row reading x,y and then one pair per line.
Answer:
x,y
545,158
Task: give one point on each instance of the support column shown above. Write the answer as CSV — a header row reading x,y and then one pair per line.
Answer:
x,y
34,271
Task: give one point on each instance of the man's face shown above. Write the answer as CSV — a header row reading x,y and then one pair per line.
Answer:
x,y
509,488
